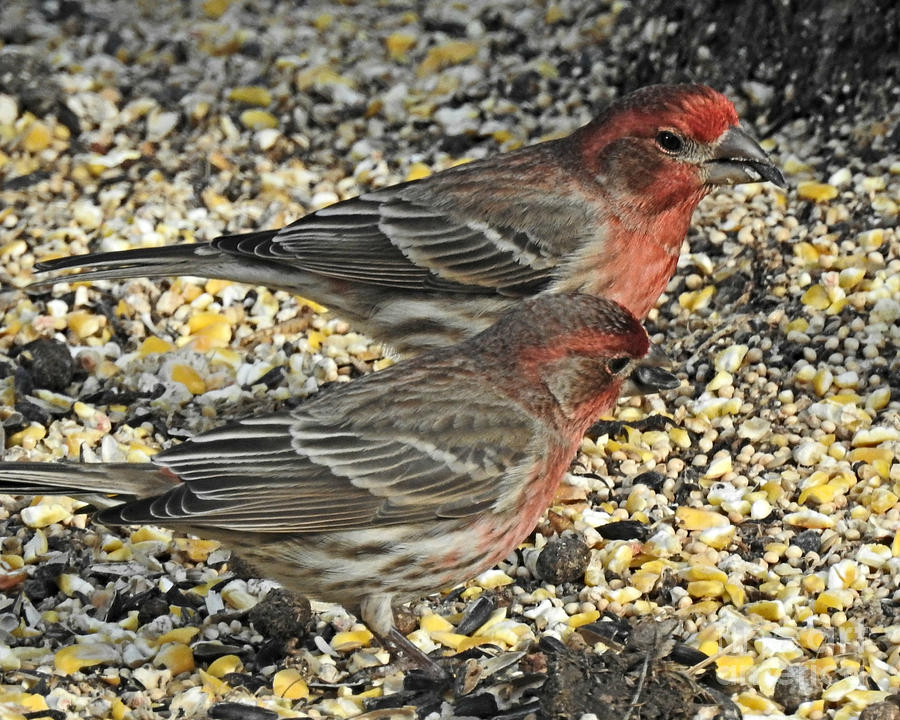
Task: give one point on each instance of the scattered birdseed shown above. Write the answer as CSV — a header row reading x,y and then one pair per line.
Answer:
x,y
762,519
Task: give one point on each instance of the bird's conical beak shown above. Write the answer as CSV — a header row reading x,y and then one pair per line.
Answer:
x,y
649,375
738,158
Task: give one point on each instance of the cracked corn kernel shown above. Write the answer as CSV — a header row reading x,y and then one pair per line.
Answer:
x,y
73,658
838,690
35,548
212,684
810,638
736,593
84,324
38,516
190,378
445,55
620,557
289,684
398,44
31,702
827,601
704,572
809,519
71,584
455,641
625,595
196,549
37,138
875,435
251,95
417,171
177,635
756,704
583,618
733,668
214,9
816,191
175,657
435,623
220,667
696,299
813,584
12,562
493,578
644,581
766,674
351,640
768,609
720,466
819,494
717,538
258,120
730,359
29,437
806,252
844,574
816,297
151,533
700,519
131,621
849,278
238,598
705,588
154,345
878,399
874,555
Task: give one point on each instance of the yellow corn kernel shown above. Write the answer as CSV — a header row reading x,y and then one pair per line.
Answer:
x,y
154,345
733,668
190,378
351,640
289,684
816,191
700,519
176,657
220,667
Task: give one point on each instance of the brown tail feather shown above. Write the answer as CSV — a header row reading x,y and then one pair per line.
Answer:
x,y
124,480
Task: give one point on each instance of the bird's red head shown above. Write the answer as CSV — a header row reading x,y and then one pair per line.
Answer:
x,y
579,347
695,112
653,154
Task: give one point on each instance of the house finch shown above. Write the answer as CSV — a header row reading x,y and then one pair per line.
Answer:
x,y
405,481
427,263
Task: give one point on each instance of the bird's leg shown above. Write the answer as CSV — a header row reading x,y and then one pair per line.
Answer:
x,y
409,657
378,615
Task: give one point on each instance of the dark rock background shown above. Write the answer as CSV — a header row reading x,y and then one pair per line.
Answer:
x,y
818,59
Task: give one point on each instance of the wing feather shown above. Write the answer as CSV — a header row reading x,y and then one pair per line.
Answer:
x,y
413,236
332,465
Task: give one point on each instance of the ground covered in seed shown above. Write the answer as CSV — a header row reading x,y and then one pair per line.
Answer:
x,y
732,547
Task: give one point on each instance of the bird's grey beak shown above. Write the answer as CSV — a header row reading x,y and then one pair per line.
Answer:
x,y
649,375
738,158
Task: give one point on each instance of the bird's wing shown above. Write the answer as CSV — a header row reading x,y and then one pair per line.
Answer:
x,y
419,236
317,470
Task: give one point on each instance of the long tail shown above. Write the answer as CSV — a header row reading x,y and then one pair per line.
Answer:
x,y
124,481
233,261
186,259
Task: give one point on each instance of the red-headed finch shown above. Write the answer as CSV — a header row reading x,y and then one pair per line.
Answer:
x,y
430,262
403,482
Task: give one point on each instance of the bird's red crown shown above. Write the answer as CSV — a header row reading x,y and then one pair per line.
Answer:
x,y
697,111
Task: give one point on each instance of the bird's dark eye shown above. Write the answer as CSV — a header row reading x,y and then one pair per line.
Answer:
x,y
617,365
669,141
